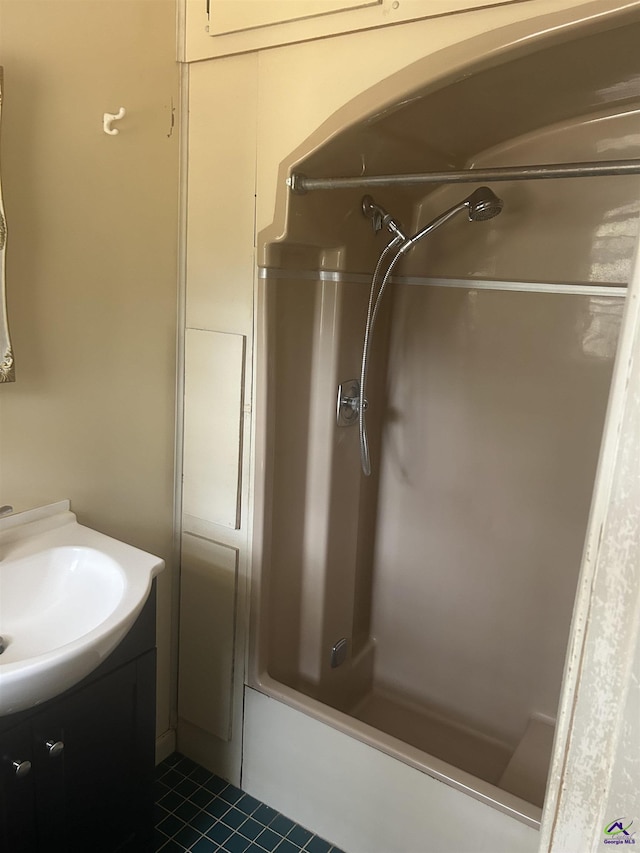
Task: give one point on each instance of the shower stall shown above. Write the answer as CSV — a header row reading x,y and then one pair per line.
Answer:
x,y
433,406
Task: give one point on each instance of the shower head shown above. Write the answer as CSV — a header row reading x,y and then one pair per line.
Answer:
x,y
483,204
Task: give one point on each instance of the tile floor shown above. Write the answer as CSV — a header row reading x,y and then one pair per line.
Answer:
x,y
201,813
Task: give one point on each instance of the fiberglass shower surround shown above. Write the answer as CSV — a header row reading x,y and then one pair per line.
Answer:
x,y
481,205
405,609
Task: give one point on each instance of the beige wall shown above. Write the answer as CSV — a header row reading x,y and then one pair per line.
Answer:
x,y
91,269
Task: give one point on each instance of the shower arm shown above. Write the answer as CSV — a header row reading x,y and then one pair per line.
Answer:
x,y
300,184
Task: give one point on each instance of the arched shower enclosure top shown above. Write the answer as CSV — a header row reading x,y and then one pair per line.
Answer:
x,y
426,608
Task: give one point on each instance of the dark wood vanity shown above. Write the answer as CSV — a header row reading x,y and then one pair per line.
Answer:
x,y
76,773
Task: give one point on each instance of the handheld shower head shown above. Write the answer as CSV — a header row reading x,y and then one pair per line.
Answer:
x,y
480,205
483,204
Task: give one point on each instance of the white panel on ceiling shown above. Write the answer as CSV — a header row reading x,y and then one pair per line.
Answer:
x,y
214,374
207,630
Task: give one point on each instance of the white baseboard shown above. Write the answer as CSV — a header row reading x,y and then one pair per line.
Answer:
x,y
165,745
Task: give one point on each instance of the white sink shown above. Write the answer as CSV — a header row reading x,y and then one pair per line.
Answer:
x,y
68,595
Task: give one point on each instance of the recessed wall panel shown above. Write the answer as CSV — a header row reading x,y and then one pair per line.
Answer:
x,y
207,631
212,425
222,165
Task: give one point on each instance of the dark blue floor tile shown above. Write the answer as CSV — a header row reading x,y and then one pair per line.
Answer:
x,y
287,847
186,787
202,821
251,828
318,845
204,845
299,835
219,832
215,784
186,766
199,812
200,775
268,839
281,824
187,836
217,808
186,810
236,844
201,797
170,825
247,804
231,794
170,801
234,818
264,814
171,778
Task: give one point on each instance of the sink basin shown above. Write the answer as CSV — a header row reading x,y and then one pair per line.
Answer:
x,y
68,595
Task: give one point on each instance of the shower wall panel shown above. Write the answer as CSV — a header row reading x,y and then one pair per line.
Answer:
x,y
549,231
495,409
321,517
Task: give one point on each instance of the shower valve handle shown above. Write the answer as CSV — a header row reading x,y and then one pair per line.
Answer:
x,y
353,403
349,403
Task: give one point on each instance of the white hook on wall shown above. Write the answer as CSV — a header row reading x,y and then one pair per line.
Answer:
x,y
111,117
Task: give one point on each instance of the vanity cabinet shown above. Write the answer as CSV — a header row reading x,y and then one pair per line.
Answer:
x,y
76,774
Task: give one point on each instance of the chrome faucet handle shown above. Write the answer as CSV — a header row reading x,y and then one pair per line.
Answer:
x,y
6,509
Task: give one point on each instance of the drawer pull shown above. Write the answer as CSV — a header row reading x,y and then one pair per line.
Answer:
x,y
54,748
22,768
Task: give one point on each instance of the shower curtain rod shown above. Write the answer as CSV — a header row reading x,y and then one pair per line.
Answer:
x,y
591,169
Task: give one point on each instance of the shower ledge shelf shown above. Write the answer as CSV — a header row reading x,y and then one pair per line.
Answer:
x,y
600,288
